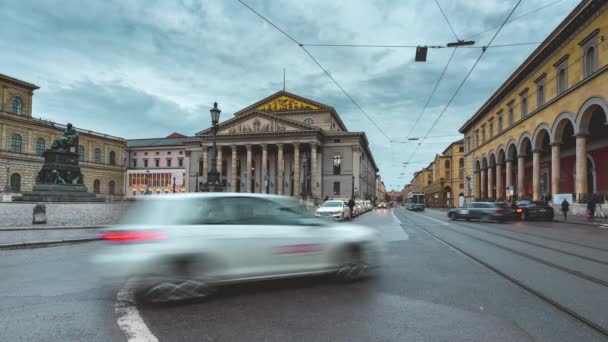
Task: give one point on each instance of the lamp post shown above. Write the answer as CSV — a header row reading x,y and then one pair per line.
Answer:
x,y
7,187
213,176
147,192
173,184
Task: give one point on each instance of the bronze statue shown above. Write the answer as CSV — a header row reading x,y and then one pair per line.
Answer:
x,y
67,140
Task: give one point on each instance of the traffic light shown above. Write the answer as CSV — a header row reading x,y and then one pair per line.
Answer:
x,y
421,53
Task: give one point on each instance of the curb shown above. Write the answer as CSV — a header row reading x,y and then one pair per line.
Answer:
x,y
25,228
45,243
598,225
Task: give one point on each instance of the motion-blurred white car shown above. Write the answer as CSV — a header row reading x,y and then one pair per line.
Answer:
x,y
180,246
335,209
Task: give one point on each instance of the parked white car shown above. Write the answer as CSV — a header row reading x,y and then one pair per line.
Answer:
x,y
335,209
179,247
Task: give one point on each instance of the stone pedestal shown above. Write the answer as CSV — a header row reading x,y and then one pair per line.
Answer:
x,y
59,180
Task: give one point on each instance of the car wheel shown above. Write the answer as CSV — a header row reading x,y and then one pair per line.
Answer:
x,y
352,265
179,286
486,218
451,216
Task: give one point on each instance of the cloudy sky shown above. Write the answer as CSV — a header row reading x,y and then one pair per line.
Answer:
x,y
140,69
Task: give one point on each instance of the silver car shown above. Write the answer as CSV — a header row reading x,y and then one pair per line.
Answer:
x,y
181,246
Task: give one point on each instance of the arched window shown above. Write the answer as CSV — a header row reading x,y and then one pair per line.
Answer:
x,y
96,184
112,158
111,187
97,155
17,105
80,152
589,61
16,143
309,121
16,182
40,146
447,164
337,159
562,82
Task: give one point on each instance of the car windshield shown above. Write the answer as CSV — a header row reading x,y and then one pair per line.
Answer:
x,y
332,204
540,204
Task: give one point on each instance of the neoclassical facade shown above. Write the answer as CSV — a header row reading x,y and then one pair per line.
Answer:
x,y
545,130
23,140
285,144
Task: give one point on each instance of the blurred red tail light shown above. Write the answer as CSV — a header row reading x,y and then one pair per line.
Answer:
x,y
498,210
519,210
133,236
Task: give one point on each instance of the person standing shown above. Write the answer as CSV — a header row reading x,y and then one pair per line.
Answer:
x,y
591,208
565,208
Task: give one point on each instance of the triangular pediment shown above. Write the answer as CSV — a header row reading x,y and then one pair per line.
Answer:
x,y
284,101
259,122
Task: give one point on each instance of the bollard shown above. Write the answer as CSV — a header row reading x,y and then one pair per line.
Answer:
x,y
39,216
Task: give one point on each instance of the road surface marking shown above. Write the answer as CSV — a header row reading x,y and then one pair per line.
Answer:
x,y
396,219
430,218
129,320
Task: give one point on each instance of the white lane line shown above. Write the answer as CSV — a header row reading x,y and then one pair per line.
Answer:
x,y
430,218
396,219
129,320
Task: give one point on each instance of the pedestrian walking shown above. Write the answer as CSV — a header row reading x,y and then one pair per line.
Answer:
x,y
351,205
591,208
565,208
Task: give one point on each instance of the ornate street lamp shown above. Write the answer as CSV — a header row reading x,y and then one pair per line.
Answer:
x,y
147,183
214,182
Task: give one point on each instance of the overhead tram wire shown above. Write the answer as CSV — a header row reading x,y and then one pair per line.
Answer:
x,y
447,21
516,18
464,80
320,66
428,100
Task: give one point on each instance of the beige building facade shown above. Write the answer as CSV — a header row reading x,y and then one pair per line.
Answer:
x,y
23,139
544,131
285,144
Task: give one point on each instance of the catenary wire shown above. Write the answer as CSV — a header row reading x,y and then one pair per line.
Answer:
x,y
447,20
321,67
464,80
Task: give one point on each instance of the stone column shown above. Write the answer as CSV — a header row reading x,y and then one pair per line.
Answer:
x,y
477,185
248,178
521,169
555,168
233,174
581,166
500,188
280,169
509,173
484,184
297,188
313,169
264,168
536,175
490,182
205,163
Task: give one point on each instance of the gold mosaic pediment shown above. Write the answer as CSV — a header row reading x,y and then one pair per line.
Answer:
x,y
285,103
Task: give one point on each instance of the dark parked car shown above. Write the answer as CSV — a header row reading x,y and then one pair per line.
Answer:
x,y
485,211
530,210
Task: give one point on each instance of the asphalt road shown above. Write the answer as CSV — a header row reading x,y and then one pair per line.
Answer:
x,y
426,291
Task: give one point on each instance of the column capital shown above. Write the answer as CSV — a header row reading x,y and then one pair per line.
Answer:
x,y
499,164
313,145
264,146
248,146
234,147
556,143
537,151
581,135
280,146
296,145
521,156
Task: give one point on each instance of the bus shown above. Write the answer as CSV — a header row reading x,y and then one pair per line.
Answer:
x,y
415,201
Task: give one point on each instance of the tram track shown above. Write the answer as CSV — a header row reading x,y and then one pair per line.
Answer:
x,y
599,329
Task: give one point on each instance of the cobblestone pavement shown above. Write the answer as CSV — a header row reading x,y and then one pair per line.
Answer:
x,y
62,214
